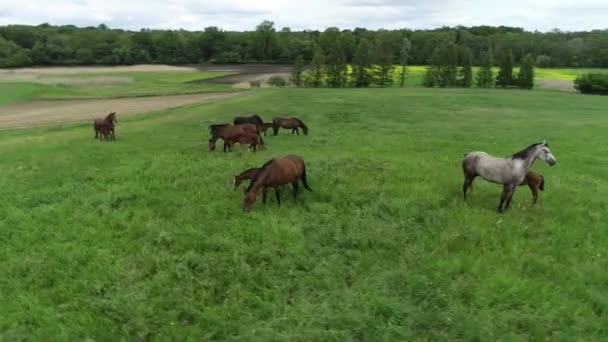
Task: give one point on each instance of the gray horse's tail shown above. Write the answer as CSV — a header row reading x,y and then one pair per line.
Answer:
x,y
542,183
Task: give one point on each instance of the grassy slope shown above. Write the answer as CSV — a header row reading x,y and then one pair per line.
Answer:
x,y
145,238
142,84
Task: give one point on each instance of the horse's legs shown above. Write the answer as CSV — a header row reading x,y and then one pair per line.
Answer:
x,y
510,195
224,146
297,131
468,184
293,131
534,190
113,135
278,194
264,193
295,188
505,197
96,133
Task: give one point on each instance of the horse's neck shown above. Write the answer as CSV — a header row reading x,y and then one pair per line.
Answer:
x,y
258,182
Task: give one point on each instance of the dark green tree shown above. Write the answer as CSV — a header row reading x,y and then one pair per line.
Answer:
x,y
525,78
465,78
448,66
485,78
361,64
383,60
317,67
297,71
403,56
431,75
505,74
336,66
265,41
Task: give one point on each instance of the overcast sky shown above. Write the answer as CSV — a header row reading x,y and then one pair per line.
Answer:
x,y
241,15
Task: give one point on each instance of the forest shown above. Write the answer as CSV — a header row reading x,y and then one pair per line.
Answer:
x,y
47,45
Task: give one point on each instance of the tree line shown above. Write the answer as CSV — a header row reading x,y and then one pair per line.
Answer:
x,y
44,44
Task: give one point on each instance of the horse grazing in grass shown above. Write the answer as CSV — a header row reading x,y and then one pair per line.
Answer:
x,y
535,182
231,134
104,127
274,174
253,119
510,171
247,174
289,123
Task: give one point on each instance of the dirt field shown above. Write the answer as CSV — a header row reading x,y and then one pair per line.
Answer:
x,y
557,85
44,113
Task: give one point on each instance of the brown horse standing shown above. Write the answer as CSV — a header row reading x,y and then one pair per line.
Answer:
x,y
277,172
535,182
231,134
104,127
247,174
252,139
289,123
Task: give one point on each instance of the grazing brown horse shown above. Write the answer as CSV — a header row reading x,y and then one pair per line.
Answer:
x,y
289,123
247,174
535,182
275,173
104,127
232,134
247,138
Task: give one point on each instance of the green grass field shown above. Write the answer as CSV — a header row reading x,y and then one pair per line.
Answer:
x,y
109,85
144,238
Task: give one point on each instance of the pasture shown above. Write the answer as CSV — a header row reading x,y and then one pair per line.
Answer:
x,y
144,238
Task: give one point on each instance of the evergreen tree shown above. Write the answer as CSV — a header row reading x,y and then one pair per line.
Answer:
x,y
317,67
431,75
505,74
361,64
466,71
296,72
405,51
484,75
448,66
525,78
336,66
383,70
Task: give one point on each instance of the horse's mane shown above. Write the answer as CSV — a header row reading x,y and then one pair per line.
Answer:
x,y
301,123
524,153
250,169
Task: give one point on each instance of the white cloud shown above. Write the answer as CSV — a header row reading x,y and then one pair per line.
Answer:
x,y
312,14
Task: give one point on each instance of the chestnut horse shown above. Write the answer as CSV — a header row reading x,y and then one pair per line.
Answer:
x,y
275,173
535,182
104,127
289,123
231,134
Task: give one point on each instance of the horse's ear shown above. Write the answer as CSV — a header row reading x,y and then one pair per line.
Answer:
x,y
545,142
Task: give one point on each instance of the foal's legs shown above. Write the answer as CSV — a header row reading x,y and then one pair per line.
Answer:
x,y
534,190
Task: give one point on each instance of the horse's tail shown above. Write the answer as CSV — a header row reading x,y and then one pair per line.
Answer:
x,y
542,183
304,180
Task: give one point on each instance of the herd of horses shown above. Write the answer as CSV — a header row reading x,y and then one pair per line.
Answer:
x,y
511,171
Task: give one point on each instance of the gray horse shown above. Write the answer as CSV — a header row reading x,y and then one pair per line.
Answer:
x,y
509,171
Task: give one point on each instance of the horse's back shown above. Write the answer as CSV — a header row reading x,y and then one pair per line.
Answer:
x,y
286,169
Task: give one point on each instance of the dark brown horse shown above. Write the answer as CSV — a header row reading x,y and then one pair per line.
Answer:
x,y
232,134
104,127
289,123
274,174
247,174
